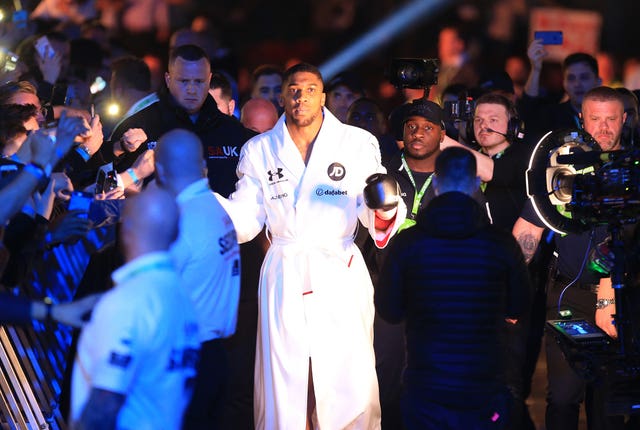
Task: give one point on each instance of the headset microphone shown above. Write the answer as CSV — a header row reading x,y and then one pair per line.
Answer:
x,y
490,130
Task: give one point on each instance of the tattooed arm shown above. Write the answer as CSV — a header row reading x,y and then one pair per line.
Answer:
x,y
101,411
528,236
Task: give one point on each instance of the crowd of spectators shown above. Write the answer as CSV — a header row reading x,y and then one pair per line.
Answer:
x,y
100,82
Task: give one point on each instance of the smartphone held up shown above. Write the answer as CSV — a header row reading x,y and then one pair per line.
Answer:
x,y
549,37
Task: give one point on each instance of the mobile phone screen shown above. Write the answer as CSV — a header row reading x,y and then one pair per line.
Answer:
x,y
549,37
80,201
44,48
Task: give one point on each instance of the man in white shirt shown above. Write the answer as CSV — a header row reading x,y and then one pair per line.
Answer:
x,y
207,257
137,357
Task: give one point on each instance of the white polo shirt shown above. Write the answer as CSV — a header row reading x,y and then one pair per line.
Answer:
x,y
141,342
207,257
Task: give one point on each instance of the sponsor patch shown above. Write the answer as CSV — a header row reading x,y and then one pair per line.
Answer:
x,y
329,192
223,152
336,171
275,175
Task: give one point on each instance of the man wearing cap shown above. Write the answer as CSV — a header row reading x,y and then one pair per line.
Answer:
x,y
453,279
342,91
412,168
424,138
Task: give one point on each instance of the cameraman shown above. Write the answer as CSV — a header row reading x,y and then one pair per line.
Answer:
x,y
603,117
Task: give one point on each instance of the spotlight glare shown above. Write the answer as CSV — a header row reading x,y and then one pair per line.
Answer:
x,y
113,109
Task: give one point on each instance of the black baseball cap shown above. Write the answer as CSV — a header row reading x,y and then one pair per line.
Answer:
x,y
427,109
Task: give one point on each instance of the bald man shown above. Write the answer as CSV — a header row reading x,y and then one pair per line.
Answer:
x,y
258,115
207,257
137,356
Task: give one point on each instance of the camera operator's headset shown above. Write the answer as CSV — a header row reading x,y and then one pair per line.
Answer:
x,y
515,126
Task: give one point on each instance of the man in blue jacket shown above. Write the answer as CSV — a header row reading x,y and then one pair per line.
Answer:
x,y
456,281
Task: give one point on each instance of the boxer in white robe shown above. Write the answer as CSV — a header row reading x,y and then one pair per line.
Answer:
x,y
304,179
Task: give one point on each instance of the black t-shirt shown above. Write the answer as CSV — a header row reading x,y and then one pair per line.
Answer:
x,y
507,190
573,249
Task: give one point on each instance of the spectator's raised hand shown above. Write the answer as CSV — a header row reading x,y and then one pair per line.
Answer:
x,y
62,186
69,227
132,139
49,65
71,111
536,54
73,313
115,194
43,149
93,137
43,202
69,127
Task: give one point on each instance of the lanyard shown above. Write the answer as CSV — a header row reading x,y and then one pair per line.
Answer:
x,y
417,197
483,185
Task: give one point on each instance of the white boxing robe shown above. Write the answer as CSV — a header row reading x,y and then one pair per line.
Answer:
x,y
315,293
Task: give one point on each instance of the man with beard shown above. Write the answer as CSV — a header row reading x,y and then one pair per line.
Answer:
x,y
412,168
603,118
424,138
453,279
304,180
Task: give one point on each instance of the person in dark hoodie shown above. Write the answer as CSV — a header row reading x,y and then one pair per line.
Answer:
x,y
455,280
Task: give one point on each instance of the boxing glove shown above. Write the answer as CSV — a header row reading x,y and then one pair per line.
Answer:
x,y
381,192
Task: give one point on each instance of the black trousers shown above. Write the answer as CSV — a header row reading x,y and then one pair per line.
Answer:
x,y
205,409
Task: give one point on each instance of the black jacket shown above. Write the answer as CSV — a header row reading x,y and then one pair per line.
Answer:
x,y
222,137
453,279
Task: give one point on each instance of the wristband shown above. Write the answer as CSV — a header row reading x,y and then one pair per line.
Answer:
x,y
40,174
36,170
84,152
133,175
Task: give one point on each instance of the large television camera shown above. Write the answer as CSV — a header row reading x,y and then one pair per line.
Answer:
x,y
574,187
413,73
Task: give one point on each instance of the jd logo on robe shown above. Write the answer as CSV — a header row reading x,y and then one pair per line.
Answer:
x,y
336,171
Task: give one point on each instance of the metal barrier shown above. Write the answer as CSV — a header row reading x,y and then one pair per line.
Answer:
x,y
33,358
